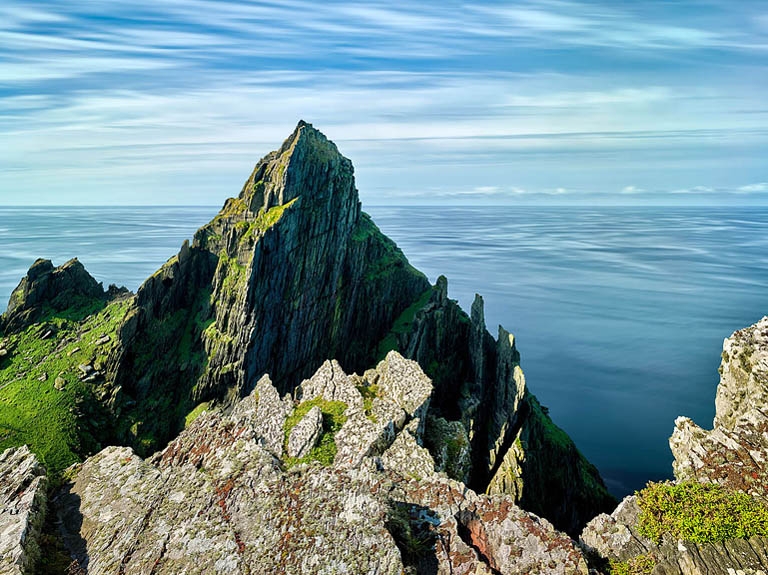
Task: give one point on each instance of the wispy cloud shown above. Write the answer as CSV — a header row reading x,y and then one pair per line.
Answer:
x,y
493,101
761,187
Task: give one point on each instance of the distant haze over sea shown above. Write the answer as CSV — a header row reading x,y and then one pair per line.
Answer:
x,y
619,312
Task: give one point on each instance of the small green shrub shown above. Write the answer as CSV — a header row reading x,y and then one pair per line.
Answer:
x,y
639,565
699,513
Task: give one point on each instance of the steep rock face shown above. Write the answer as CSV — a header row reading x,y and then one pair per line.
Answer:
x,y
288,274
22,510
734,454
225,497
515,447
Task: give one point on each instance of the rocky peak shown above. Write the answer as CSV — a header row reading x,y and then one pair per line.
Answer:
x,y
307,166
45,286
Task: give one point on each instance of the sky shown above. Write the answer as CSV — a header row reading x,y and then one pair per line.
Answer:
x,y
526,102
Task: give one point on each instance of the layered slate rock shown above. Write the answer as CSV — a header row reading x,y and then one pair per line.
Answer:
x,y
22,510
219,499
734,453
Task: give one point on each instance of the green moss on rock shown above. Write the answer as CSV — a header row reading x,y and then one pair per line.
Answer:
x,y
334,416
700,513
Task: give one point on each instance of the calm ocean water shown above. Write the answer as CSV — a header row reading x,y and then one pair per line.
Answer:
x,y
619,313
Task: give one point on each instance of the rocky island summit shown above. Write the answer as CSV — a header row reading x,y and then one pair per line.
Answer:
x,y
288,394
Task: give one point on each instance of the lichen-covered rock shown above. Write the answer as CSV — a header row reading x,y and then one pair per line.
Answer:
x,y
735,453
216,500
305,434
22,510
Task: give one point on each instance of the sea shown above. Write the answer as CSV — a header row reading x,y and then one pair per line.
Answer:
x,y
619,313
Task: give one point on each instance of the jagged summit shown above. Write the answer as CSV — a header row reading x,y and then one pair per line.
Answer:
x,y
307,165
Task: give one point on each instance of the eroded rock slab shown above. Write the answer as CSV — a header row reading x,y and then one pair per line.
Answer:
x,y
22,510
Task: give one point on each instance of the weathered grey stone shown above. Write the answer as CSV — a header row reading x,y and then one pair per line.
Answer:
x,y
215,500
305,434
22,510
59,383
332,384
735,452
265,413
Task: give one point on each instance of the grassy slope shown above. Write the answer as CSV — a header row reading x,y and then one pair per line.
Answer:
x,y
32,411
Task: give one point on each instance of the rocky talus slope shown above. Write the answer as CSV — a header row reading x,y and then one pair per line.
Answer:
x,y
732,456
226,496
289,274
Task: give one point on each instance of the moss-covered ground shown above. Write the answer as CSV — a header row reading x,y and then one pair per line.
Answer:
x,y
700,513
333,418
32,410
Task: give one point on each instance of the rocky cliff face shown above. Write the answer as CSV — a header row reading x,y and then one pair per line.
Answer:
x,y
227,496
732,457
515,447
734,452
287,276
289,273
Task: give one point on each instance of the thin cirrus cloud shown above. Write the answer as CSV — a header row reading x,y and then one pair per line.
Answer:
x,y
172,101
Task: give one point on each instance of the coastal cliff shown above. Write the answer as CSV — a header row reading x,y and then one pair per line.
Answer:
x,y
713,518
289,275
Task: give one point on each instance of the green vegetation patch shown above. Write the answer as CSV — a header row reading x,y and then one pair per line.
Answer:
x,y
266,219
369,393
401,326
195,413
639,565
699,513
333,418
41,392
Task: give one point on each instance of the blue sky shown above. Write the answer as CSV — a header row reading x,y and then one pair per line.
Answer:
x,y
529,102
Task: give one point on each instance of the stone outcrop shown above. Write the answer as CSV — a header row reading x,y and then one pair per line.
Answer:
x,y
22,510
732,455
56,288
515,447
735,452
221,498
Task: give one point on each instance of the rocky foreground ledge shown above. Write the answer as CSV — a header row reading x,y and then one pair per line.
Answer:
x,y
334,481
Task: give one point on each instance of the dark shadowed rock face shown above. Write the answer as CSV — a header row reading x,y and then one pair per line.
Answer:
x,y
225,497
